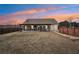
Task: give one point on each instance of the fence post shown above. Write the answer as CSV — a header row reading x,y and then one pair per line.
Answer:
x,y
74,31
67,31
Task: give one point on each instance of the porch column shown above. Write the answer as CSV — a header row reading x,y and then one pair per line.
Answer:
x,y
32,27
48,27
25,27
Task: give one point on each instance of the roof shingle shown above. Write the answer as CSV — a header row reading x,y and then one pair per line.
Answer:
x,y
40,21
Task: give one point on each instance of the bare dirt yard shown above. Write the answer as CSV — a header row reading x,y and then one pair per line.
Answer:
x,y
37,43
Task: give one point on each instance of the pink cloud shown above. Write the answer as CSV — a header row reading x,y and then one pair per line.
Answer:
x,y
13,19
10,20
62,17
35,10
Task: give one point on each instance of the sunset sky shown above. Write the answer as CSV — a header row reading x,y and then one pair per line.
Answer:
x,y
18,13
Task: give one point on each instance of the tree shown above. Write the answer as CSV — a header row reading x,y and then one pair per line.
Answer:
x,y
64,23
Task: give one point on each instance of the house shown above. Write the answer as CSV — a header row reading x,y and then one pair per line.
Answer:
x,y
39,25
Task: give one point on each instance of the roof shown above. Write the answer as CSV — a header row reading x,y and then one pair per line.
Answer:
x,y
40,21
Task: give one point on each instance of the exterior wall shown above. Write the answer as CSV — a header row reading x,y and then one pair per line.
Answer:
x,y
54,27
51,27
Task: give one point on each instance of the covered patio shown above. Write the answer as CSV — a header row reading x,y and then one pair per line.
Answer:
x,y
39,25
35,27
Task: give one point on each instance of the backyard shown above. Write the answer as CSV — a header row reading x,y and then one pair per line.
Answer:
x,y
37,42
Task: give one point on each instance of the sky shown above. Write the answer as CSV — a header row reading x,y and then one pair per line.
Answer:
x,y
18,13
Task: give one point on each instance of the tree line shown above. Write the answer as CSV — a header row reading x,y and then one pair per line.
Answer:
x,y
68,24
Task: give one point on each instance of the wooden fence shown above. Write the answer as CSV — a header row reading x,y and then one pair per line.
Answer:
x,y
8,30
69,31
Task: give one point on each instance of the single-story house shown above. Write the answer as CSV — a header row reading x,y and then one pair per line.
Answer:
x,y
39,25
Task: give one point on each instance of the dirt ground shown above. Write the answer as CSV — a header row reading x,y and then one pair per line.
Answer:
x,y
37,43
